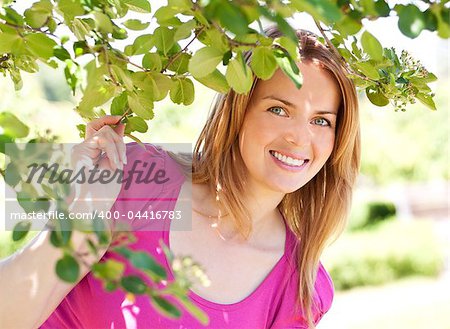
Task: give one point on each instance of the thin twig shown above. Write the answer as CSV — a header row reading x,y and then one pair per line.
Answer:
x,y
105,51
173,58
336,52
27,28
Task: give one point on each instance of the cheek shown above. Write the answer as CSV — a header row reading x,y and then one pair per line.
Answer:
x,y
326,144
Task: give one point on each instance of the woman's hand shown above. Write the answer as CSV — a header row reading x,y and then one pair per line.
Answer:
x,y
103,144
104,150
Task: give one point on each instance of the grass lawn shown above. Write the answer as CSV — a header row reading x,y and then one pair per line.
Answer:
x,y
413,303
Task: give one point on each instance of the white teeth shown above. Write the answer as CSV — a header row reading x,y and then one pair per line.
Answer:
x,y
288,160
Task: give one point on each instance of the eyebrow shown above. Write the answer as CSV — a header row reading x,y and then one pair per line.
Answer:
x,y
287,103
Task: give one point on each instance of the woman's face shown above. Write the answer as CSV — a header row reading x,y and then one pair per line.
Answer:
x,y
288,133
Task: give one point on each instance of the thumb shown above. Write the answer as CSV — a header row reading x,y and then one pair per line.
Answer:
x,y
120,129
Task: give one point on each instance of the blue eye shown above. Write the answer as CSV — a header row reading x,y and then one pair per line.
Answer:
x,y
278,111
322,122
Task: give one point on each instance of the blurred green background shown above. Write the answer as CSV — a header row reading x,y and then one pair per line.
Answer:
x,y
390,268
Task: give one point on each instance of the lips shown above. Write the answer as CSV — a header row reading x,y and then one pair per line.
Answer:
x,y
289,159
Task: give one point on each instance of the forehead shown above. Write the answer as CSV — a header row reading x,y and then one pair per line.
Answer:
x,y
320,88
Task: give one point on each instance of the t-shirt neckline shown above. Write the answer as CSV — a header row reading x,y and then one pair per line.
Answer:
x,y
257,291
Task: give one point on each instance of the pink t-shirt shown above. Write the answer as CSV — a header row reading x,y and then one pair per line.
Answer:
x,y
270,305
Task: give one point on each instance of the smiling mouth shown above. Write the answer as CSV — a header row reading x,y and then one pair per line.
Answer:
x,y
288,160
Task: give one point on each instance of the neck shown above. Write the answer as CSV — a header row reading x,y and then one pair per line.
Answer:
x,y
262,208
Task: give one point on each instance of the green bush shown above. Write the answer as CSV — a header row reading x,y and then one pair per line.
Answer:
x,y
379,211
367,214
387,252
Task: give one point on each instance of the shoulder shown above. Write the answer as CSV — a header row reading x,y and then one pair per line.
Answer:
x,y
154,162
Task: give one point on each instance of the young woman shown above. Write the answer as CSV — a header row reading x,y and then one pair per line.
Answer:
x,y
271,185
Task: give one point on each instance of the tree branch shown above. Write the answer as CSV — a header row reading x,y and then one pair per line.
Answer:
x,y
336,52
174,57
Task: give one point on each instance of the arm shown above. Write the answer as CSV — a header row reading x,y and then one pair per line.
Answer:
x,y
30,289
29,286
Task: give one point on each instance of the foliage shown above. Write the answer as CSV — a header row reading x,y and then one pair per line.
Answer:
x,y
410,146
367,214
390,251
93,41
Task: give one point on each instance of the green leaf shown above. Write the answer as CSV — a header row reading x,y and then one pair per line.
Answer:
x,y
21,230
133,284
411,20
12,174
197,312
185,30
164,39
282,24
13,16
376,97
60,238
37,15
9,41
230,15
214,39
143,261
70,8
101,231
135,24
40,45
123,76
426,100
165,307
61,53
103,22
290,46
119,104
431,22
137,124
216,81
323,10
205,61
160,85
165,16
348,26
181,64
94,96
289,67
80,28
68,269
140,6
109,270
263,62
372,46
143,44
182,91
152,62
239,76
368,70
141,104
12,126
5,140
382,8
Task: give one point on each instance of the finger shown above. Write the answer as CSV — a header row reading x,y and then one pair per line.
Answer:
x,y
110,149
121,148
118,142
120,129
85,150
95,125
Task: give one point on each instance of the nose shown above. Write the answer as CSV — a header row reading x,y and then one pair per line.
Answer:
x,y
298,133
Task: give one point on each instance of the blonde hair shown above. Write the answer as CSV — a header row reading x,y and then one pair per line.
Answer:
x,y
317,212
